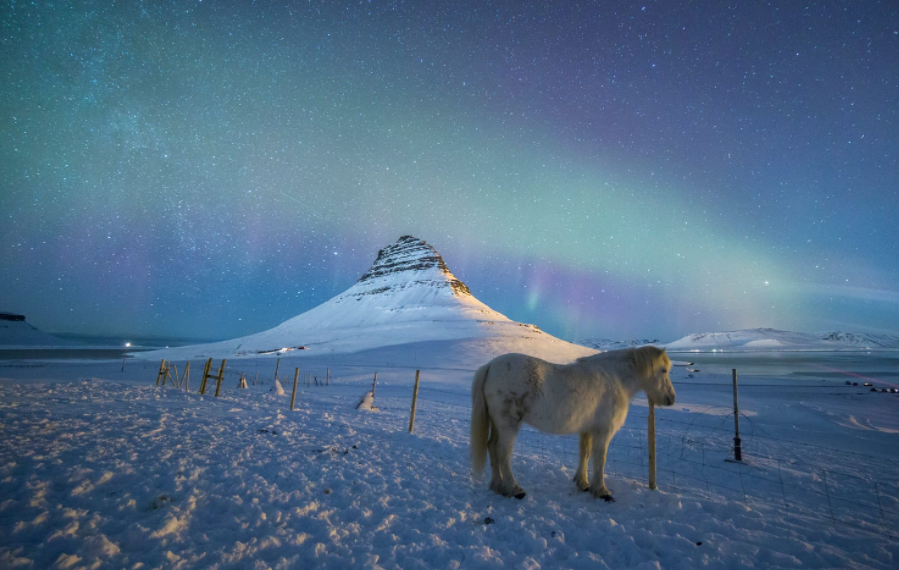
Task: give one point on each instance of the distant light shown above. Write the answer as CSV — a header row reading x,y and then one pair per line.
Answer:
x,y
127,345
766,283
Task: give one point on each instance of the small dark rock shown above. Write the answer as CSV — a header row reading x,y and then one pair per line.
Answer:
x,y
489,520
699,543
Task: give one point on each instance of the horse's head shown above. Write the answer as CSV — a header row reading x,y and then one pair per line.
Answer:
x,y
653,368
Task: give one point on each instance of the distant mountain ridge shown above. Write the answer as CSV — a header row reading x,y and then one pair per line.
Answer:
x,y
16,332
608,344
768,339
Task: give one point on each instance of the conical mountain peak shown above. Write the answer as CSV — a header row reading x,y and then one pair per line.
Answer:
x,y
408,262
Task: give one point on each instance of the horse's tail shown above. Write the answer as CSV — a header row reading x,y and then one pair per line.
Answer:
x,y
480,422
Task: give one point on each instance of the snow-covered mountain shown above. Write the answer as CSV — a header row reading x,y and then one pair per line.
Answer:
x,y
408,295
16,332
766,339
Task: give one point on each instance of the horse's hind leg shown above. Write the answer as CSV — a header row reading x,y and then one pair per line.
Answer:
x,y
505,442
600,447
580,478
497,477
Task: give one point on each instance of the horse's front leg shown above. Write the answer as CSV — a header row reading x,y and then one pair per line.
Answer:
x,y
598,484
580,478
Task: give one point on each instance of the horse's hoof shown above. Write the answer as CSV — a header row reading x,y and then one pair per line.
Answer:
x,y
520,495
607,498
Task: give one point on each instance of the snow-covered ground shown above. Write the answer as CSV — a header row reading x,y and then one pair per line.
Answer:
x,y
100,468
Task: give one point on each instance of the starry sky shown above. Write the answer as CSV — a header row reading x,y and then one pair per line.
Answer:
x,y
208,169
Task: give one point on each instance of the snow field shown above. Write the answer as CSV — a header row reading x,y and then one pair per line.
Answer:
x,y
103,469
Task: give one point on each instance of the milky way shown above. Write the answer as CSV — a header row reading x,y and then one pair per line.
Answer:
x,y
210,169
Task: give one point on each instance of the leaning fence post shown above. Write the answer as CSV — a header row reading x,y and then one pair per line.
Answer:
x,y
206,369
651,428
277,366
218,384
738,451
185,379
328,378
374,384
161,371
293,397
414,400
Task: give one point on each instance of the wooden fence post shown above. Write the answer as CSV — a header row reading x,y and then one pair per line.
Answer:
x,y
255,378
328,378
651,428
277,366
218,384
738,449
161,371
374,384
185,379
293,397
205,377
414,400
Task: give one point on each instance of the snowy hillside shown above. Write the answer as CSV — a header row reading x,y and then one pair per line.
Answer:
x,y
407,295
767,339
16,332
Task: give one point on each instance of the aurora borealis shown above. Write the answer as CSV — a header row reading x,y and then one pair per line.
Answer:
x,y
210,169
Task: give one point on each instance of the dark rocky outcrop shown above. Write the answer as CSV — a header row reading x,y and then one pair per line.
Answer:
x,y
410,255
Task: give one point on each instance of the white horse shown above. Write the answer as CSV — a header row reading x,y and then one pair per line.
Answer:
x,y
589,397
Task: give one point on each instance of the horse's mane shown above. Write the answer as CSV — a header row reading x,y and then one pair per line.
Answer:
x,y
643,358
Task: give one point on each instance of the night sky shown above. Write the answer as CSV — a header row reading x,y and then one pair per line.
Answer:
x,y
609,169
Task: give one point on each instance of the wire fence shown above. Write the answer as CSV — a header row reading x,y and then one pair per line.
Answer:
x,y
694,449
